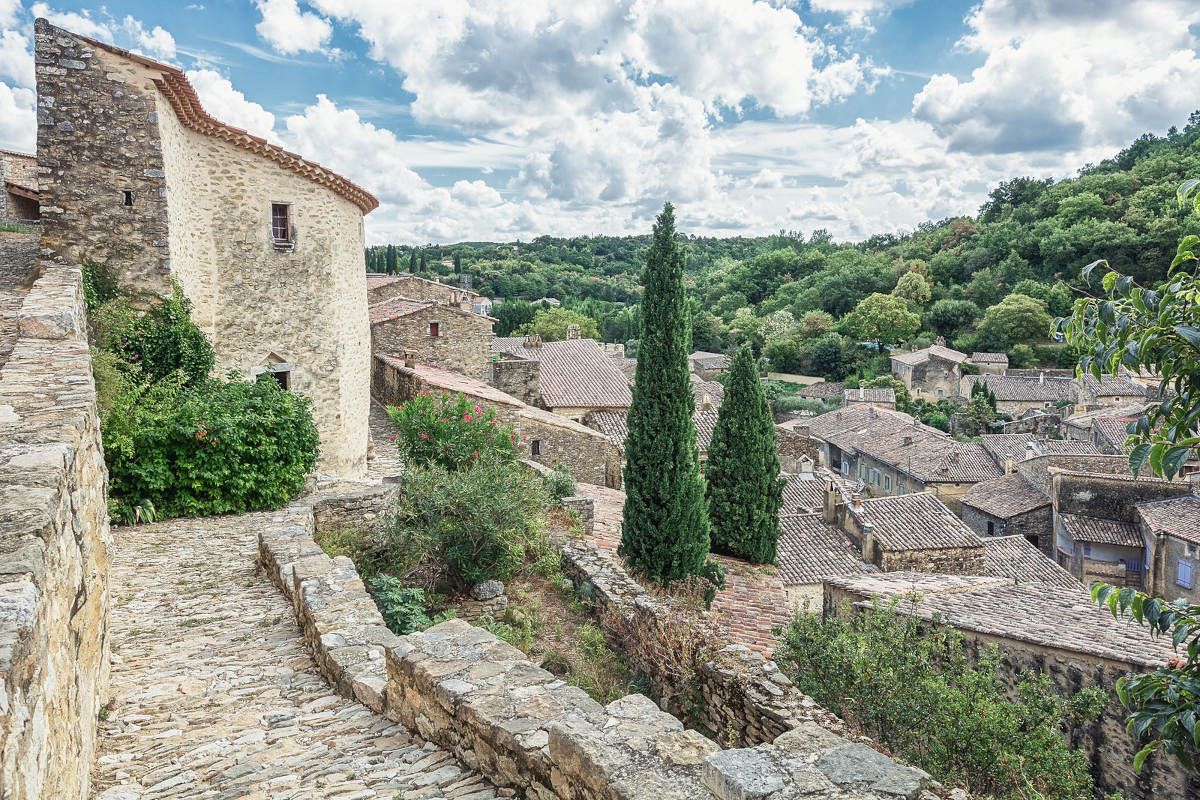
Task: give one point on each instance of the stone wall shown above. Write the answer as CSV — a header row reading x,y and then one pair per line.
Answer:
x,y
584,452
1109,498
1036,525
794,445
201,211
461,687
517,376
950,560
361,510
54,562
461,344
21,169
394,385
415,288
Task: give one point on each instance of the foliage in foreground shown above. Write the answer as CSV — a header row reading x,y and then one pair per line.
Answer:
x,y
744,490
450,432
665,535
911,686
475,522
1163,704
1156,329
177,442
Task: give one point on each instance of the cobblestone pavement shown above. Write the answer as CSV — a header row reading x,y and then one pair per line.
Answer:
x,y
17,259
214,696
385,460
754,600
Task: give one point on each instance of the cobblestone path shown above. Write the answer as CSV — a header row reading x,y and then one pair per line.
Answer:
x,y
214,696
17,256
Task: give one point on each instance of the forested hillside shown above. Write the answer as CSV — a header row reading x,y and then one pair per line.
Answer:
x,y
988,282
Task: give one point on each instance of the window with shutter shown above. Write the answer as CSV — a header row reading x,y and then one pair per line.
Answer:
x,y
1183,574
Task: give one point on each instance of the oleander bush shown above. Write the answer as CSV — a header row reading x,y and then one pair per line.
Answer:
x,y
450,432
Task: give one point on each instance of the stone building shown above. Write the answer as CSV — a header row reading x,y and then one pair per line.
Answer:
x,y
1018,393
266,245
883,398
809,552
444,335
932,373
385,287
708,365
989,363
1172,528
575,376
1008,506
1044,627
1110,391
19,198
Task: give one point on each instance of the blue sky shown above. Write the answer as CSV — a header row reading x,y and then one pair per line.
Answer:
x,y
488,119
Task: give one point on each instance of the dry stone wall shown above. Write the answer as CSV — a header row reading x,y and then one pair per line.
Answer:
x,y
54,549
461,344
459,686
519,377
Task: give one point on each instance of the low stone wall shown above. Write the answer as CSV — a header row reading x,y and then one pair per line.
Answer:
x,y
526,729
54,562
364,508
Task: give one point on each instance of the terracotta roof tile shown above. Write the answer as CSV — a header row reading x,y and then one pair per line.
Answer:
x,y
917,521
988,358
1178,517
1074,447
1018,389
575,373
452,381
934,351
822,390
395,308
1112,430
377,279
861,395
1005,497
1003,446
803,494
613,425
809,551
705,360
1112,386
1101,531
1017,558
1050,616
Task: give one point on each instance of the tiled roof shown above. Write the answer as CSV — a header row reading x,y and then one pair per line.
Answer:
x,y
1003,446
1178,517
934,351
1005,497
575,373
1112,430
1073,447
1101,531
1016,557
559,421
706,360
395,308
506,344
705,421
803,494
174,86
1084,419
1050,616
822,390
376,279
1016,389
988,358
451,381
701,387
809,551
917,521
613,425
1112,386
869,395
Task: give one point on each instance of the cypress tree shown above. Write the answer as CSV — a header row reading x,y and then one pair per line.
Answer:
x,y
665,535
390,259
744,490
412,260
422,260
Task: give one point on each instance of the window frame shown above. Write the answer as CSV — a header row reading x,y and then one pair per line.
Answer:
x,y
535,447
435,329
1182,565
290,241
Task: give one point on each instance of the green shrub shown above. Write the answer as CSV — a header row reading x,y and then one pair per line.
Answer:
x,y
99,285
403,609
212,448
477,521
159,339
598,671
559,483
450,432
911,686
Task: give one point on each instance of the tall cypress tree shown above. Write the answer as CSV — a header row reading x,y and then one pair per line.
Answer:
x,y
744,490
390,259
665,535
412,261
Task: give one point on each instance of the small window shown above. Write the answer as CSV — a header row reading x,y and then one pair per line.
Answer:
x,y
862,471
128,200
900,487
1183,574
845,467
433,329
535,447
991,528
281,222
283,378
887,483
1087,548
940,392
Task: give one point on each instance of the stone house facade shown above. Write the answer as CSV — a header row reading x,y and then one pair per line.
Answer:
x,y
443,335
19,198
932,373
989,363
267,246
575,376
1016,394
1009,506
386,287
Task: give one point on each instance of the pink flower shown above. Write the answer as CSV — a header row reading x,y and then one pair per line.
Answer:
x,y
468,418
477,454
393,438
524,438
477,409
423,436
495,422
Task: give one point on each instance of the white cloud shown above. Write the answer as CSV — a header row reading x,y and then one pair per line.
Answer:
x,y
81,22
156,43
1067,75
858,13
289,30
18,129
227,104
10,10
475,193
16,62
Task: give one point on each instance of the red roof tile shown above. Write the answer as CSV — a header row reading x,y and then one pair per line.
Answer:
x,y
575,373
917,521
810,551
1178,517
394,308
1101,531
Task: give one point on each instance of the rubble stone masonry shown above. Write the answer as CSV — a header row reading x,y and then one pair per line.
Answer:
x,y
200,211
54,552
461,344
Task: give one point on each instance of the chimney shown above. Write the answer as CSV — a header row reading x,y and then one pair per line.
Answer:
x,y
410,358
940,341
706,403
856,500
908,440
954,456
1042,378
870,411
1030,452
862,394
829,508
573,331
533,341
1008,466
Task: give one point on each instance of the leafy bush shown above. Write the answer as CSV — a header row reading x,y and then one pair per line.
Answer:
x,y
478,521
159,340
450,432
99,285
212,448
403,609
910,685
559,483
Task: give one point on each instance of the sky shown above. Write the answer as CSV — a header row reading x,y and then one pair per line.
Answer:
x,y
502,120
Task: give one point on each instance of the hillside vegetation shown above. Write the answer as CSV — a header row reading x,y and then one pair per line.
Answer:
x,y
990,281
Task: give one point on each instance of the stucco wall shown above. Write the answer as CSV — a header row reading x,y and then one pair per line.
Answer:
x,y
201,212
54,566
461,344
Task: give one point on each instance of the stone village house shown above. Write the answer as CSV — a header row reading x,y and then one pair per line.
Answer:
x,y
931,373
440,334
573,377
385,287
19,198
266,245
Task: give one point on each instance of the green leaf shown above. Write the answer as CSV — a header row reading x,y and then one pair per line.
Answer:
x,y
1110,280
1190,333
1140,758
1174,460
1138,456
1185,189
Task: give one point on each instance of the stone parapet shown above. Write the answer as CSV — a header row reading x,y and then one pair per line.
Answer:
x,y
54,549
461,687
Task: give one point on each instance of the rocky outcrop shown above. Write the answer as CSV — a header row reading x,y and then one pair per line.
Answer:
x,y
54,548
